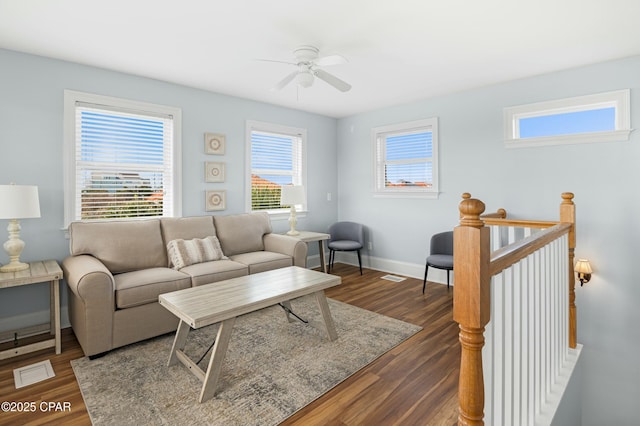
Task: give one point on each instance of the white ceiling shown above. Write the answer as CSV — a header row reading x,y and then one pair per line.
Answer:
x,y
398,51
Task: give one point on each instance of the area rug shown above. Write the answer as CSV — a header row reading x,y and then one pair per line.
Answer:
x,y
272,368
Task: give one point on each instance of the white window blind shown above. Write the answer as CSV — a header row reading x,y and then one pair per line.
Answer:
x,y
123,163
405,159
277,159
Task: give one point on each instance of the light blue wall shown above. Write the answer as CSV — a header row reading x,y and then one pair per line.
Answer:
x,y
528,183
31,141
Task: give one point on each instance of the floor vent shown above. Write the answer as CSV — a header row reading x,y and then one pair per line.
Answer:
x,y
34,373
394,278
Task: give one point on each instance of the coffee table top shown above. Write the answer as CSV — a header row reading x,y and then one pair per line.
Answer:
x,y
212,303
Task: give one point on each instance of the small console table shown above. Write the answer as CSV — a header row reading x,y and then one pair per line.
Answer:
x,y
308,236
38,272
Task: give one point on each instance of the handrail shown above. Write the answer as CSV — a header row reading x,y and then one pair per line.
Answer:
x,y
498,214
492,221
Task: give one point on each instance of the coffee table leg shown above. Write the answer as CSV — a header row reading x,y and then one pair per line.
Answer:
x,y
179,342
326,315
287,305
217,357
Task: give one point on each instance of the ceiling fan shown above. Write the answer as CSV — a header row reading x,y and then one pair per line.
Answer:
x,y
308,62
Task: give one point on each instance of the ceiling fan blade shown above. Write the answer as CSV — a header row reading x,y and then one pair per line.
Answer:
x,y
332,80
331,60
284,81
279,62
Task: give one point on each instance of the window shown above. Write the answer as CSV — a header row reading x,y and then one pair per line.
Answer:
x,y
602,117
276,157
406,159
121,158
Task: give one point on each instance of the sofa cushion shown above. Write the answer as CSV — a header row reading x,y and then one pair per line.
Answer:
x,y
186,228
211,272
242,233
140,287
260,261
183,253
122,246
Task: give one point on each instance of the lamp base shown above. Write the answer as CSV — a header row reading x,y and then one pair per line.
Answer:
x,y
292,222
14,267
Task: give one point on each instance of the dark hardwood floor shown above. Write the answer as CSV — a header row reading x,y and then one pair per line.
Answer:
x,y
413,384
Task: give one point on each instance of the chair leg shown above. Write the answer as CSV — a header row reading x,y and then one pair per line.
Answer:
x,y
424,282
330,258
359,262
448,278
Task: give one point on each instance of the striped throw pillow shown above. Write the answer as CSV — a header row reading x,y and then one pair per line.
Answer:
x,y
188,252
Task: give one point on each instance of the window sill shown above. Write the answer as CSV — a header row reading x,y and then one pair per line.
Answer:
x,y
613,136
281,215
407,194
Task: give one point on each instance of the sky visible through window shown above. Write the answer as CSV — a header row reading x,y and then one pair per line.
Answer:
x,y
594,120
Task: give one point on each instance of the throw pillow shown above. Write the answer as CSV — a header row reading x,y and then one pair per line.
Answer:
x,y
188,252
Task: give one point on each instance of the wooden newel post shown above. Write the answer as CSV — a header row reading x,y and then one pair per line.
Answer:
x,y
471,305
568,215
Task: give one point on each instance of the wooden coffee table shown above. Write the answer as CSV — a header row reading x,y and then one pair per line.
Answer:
x,y
224,301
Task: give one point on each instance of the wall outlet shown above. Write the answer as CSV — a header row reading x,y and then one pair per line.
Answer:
x,y
328,196
370,245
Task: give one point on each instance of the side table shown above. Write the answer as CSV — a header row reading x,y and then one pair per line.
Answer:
x,y
38,272
308,236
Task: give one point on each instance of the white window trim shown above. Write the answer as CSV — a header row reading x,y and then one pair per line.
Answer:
x,y
252,125
619,99
70,99
378,172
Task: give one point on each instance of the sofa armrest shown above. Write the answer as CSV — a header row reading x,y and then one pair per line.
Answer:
x,y
87,276
91,302
287,245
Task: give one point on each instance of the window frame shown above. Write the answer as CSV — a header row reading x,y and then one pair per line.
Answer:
x,y
378,137
619,100
71,99
301,133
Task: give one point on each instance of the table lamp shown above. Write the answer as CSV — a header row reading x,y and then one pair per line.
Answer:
x,y
17,202
292,195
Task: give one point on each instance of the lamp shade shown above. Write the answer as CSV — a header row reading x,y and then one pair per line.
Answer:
x,y
583,266
292,195
19,202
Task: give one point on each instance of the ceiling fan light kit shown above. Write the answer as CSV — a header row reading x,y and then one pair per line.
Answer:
x,y
304,79
308,63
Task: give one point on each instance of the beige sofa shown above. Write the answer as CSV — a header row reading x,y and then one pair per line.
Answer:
x,y
116,271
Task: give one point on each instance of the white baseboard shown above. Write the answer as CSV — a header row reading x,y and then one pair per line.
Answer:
x,y
406,269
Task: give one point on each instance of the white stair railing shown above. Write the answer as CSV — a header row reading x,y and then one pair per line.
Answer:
x,y
514,301
526,340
